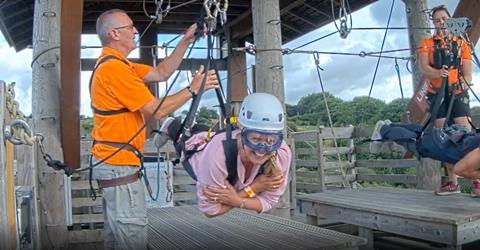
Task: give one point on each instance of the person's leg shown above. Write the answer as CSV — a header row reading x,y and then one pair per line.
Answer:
x,y
451,186
469,166
125,211
401,133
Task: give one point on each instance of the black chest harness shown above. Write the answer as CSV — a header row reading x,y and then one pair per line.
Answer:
x,y
119,145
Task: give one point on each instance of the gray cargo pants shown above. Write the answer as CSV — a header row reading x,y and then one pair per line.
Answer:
x,y
124,211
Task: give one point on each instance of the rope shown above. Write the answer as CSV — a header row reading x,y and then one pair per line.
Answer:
x,y
13,109
397,68
316,58
381,49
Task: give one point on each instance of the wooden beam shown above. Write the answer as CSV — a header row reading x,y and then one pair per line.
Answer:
x,y
242,26
149,55
7,201
317,10
469,8
237,64
46,120
303,18
70,80
290,27
187,64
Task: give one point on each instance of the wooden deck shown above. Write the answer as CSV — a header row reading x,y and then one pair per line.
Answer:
x,y
450,220
185,228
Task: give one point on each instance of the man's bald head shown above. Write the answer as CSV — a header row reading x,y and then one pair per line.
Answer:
x,y
105,23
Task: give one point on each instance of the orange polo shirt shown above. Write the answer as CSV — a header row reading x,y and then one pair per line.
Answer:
x,y
117,85
428,46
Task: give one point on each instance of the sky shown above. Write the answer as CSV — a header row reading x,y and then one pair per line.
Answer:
x,y
344,76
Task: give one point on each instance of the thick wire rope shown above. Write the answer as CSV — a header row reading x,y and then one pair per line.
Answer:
x,y
381,49
316,58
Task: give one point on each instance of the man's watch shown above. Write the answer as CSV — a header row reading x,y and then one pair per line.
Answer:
x,y
191,91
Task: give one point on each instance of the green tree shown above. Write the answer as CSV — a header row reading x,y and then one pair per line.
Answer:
x,y
312,110
291,110
394,109
205,116
86,123
365,110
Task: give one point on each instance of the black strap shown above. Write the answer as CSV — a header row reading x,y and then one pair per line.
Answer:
x,y
230,148
125,146
106,112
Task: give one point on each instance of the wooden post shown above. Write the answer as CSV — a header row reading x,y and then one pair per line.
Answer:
x,y
8,237
416,18
269,65
146,57
321,160
469,8
293,175
429,172
46,120
71,29
238,76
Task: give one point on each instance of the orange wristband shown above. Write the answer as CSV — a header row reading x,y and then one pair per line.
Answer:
x,y
249,191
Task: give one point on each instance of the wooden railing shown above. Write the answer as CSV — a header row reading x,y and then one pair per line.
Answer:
x,y
318,166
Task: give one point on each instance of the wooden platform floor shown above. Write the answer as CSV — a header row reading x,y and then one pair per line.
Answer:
x,y
452,220
185,228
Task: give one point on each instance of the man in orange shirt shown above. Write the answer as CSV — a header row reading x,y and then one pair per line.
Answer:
x,y
445,56
121,101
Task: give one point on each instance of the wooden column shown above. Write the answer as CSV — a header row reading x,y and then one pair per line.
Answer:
x,y
46,120
269,65
71,29
238,77
469,8
8,233
429,171
146,57
416,18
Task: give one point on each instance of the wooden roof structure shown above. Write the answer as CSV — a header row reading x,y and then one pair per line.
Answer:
x,y
298,17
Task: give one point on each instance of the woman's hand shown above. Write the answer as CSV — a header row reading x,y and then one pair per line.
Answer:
x,y
266,183
226,195
211,82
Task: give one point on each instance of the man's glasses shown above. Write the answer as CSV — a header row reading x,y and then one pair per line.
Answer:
x,y
130,27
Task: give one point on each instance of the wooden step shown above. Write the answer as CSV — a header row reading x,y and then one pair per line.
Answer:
x,y
87,218
86,202
83,185
85,236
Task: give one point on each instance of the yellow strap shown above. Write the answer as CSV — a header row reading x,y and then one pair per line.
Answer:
x,y
234,120
209,135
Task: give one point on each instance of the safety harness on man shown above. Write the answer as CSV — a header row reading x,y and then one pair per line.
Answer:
x,y
119,145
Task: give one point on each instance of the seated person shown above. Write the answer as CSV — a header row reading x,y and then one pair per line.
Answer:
x,y
453,144
263,159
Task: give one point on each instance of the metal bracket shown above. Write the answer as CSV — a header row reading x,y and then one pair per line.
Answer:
x,y
9,134
457,26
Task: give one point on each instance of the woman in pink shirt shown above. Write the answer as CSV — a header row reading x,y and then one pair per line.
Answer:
x,y
263,160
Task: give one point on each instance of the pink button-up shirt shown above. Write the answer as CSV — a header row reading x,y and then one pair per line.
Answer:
x,y
209,167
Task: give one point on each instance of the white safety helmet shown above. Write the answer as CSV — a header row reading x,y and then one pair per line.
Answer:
x,y
262,111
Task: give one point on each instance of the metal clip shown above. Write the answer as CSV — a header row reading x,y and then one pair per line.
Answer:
x,y
9,134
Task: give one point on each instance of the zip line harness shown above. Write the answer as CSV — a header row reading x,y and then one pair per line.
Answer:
x,y
449,56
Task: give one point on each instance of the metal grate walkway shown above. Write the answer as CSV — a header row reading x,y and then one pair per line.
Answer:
x,y
186,228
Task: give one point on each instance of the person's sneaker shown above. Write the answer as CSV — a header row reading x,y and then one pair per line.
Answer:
x,y
161,138
475,193
448,189
375,143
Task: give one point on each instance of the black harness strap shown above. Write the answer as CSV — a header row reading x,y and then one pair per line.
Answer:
x,y
106,112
